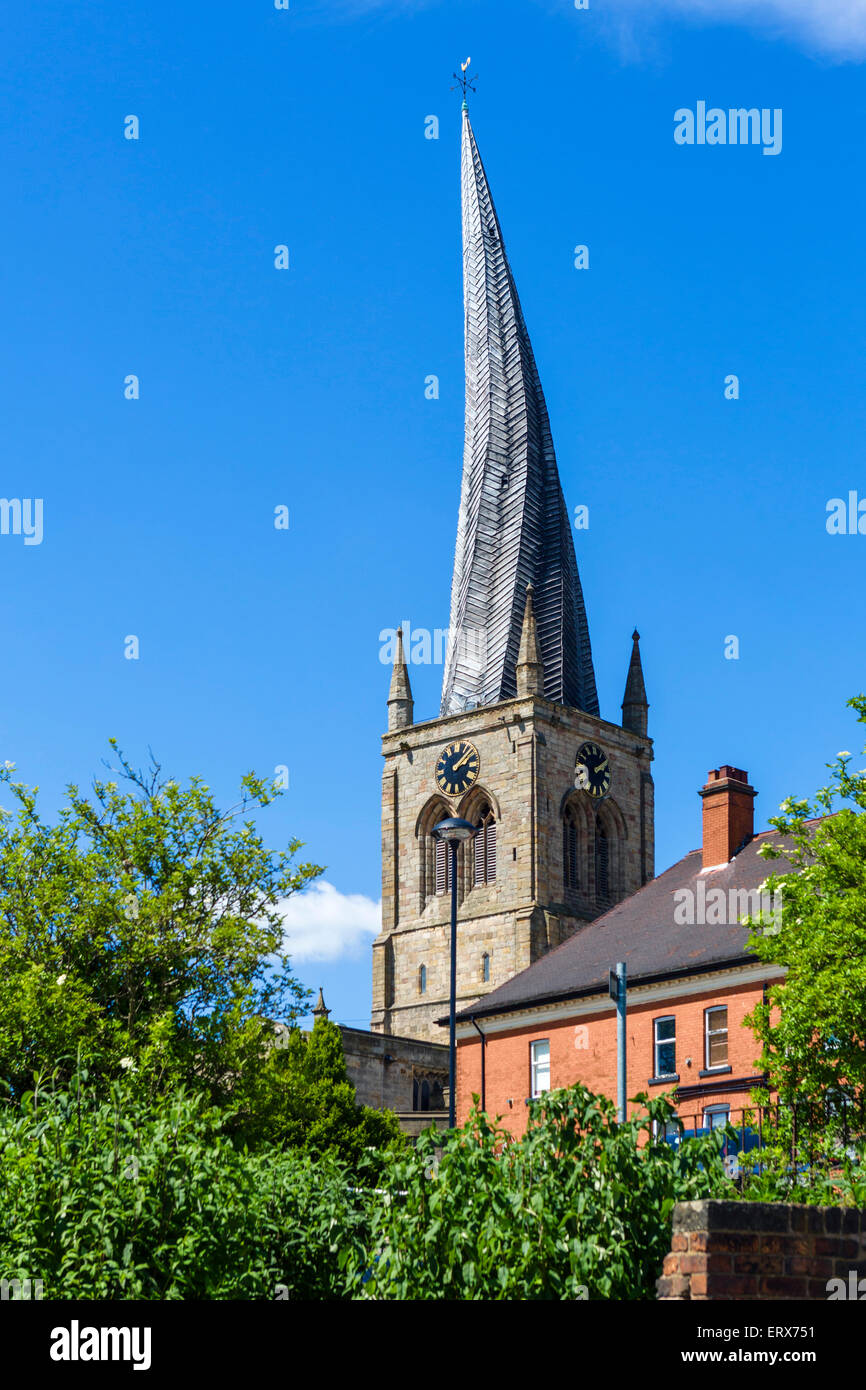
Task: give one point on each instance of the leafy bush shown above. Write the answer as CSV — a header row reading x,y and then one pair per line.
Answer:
x,y
805,1155
300,1095
133,1199
580,1206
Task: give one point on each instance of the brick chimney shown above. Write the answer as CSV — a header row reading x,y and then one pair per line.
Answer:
x,y
729,814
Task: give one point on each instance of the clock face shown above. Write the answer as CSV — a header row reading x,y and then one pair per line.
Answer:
x,y
592,770
457,768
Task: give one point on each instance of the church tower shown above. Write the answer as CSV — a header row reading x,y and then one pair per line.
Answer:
x,y
562,799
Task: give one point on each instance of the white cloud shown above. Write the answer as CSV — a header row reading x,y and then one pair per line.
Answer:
x,y
835,28
323,924
832,28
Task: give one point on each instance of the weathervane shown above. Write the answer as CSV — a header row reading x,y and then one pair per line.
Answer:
x,y
464,81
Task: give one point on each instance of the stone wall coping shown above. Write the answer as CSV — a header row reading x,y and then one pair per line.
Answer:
x,y
715,1215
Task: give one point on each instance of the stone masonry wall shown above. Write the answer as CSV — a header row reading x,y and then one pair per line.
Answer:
x,y
527,750
382,1068
761,1250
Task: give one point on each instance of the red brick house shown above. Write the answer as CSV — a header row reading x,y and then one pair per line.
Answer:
x,y
691,983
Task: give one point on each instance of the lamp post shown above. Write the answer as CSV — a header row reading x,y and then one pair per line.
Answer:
x,y
453,831
618,991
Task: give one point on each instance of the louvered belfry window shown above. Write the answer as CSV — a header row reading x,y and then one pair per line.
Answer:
x,y
484,846
479,848
602,863
569,850
443,867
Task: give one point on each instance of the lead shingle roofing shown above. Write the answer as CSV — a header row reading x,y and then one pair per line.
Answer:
x,y
513,527
642,932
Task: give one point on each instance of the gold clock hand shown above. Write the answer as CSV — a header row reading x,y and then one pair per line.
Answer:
x,y
464,759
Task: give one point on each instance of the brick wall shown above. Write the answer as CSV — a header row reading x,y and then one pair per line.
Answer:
x,y
761,1250
583,1048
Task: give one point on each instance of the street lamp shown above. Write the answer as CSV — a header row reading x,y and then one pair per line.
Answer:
x,y
452,831
618,990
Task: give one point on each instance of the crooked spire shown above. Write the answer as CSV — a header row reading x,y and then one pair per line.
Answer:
x,y
513,527
634,701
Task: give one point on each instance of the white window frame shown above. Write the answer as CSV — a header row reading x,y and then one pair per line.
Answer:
x,y
708,1065
539,1067
664,1042
709,1114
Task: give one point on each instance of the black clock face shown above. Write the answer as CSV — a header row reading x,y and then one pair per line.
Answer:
x,y
592,770
457,768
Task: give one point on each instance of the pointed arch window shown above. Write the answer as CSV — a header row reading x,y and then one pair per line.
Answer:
x,y
602,862
484,846
570,872
435,877
443,867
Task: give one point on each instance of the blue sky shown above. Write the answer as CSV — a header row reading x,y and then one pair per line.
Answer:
x,y
305,387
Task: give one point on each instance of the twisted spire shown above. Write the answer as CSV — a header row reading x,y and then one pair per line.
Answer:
x,y
513,527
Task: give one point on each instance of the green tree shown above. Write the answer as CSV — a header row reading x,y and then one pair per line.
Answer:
x,y
812,1027
302,1097
141,932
